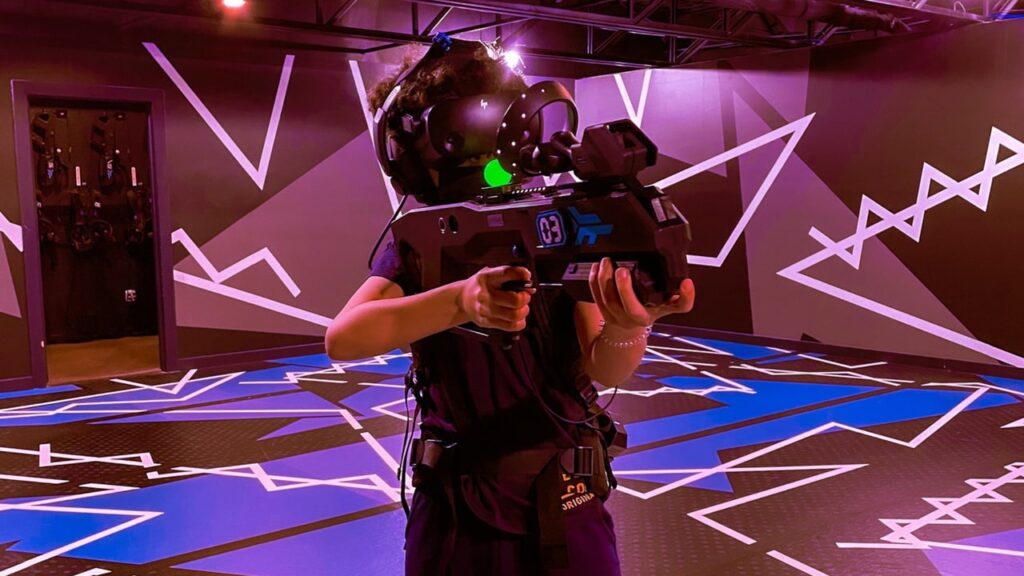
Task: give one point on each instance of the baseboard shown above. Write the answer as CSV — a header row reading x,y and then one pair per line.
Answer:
x,y
248,357
15,384
211,361
805,346
251,356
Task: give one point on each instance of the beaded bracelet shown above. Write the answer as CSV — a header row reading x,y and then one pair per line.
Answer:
x,y
623,344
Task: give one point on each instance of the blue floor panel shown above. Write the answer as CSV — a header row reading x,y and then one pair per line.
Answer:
x,y
289,469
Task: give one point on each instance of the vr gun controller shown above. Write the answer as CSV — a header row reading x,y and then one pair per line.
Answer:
x,y
557,236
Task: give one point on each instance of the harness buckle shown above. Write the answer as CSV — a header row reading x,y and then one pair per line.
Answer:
x,y
578,461
428,452
589,395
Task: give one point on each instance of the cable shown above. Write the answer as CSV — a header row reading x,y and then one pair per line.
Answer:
x,y
407,441
398,210
602,410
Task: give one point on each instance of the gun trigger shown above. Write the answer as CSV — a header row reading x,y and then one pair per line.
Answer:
x,y
516,285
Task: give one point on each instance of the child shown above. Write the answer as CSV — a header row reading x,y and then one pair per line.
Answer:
x,y
499,423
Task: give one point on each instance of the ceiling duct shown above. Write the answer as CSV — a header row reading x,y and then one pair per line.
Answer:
x,y
840,15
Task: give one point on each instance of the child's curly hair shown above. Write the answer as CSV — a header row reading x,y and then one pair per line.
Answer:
x,y
449,78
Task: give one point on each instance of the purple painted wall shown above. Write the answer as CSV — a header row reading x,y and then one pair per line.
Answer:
x,y
270,241
299,219
790,165
275,194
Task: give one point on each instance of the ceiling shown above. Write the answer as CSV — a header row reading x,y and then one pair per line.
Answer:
x,y
578,36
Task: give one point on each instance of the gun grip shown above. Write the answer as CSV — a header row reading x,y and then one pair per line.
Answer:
x,y
645,288
510,338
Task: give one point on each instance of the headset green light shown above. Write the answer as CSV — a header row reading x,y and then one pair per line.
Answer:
x,y
495,175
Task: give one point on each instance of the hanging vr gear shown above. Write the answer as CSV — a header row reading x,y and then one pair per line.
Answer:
x,y
141,203
51,172
103,141
88,228
50,142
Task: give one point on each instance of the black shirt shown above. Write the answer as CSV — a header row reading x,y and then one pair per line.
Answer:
x,y
497,401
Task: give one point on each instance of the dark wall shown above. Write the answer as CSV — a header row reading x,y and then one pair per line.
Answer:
x,y
305,231
262,259
926,127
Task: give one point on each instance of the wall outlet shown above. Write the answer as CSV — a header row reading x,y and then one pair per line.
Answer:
x,y
130,296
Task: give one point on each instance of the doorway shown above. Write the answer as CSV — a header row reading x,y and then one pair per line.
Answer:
x,y
95,215
97,263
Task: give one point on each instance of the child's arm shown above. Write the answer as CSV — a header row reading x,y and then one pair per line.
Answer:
x,y
379,317
613,351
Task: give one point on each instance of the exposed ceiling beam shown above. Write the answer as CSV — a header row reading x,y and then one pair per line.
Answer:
x,y
437,21
825,34
599,20
429,30
737,22
673,15
609,41
690,51
902,9
590,59
271,24
648,11
618,34
342,10
466,30
518,33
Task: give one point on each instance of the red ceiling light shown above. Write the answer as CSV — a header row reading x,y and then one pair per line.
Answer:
x,y
233,3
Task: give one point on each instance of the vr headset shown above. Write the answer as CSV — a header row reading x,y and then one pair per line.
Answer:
x,y
505,126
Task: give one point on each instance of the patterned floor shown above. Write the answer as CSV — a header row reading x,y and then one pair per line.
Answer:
x,y
744,460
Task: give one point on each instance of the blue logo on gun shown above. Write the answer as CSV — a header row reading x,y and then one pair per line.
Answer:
x,y
588,227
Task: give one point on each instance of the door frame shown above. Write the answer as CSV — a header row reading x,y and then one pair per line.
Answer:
x,y
23,92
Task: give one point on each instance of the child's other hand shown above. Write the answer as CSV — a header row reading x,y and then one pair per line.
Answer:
x,y
612,289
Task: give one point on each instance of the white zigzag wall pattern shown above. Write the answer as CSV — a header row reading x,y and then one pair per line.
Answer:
x,y
364,103
636,113
217,277
258,174
910,222
12,232
795,130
